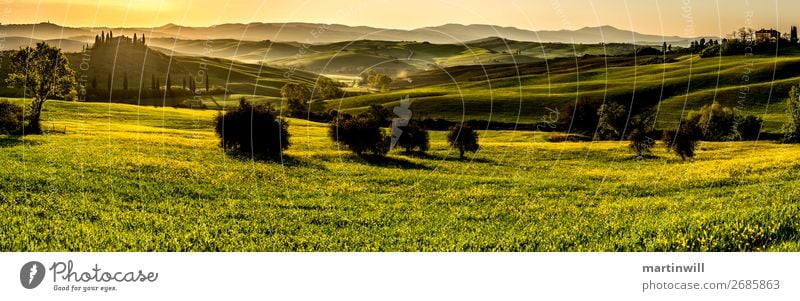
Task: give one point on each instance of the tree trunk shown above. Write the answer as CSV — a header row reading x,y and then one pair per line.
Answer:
x,y
34,124
461,151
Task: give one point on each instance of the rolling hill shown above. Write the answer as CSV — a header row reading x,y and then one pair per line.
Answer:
x,y
533,93
139,64
395,58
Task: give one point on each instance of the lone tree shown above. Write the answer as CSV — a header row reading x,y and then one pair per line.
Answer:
x,y
361,134
43,72
791,129
642,136
613,118
168,85
328,88
716,121
297,96
581,117
683,141
748,128
464,139
377,80
253,129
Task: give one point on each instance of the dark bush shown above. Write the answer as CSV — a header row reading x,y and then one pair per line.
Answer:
x,y
644,51
465,139
361,134
748,128
380,114
642,141
414,138
10,118
643,135
715,121
253,129
683,141
613,118
581,118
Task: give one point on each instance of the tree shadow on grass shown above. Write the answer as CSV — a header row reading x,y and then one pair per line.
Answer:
x,y
643,158
391,162
467,159
14,140
285,160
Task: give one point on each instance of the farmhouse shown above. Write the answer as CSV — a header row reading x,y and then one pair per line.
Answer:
x,y
767,36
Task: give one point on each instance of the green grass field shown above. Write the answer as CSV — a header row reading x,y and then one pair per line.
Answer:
x,y
131,178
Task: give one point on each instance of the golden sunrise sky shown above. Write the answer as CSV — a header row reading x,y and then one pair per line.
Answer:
x,y
669,17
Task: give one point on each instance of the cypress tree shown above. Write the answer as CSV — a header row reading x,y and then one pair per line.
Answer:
x,y
169,85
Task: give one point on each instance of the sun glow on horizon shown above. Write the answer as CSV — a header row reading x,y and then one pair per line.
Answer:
x,y
661,17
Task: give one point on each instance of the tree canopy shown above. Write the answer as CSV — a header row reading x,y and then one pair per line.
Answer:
x,y
43,72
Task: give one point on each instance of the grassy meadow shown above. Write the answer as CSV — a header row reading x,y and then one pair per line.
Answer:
x,y
117,177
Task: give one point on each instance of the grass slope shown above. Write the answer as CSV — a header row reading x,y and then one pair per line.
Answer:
x,y
528,93
153,179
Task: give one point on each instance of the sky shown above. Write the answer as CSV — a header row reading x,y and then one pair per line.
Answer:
x,y
668,17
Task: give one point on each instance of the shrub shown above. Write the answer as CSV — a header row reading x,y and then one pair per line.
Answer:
x,y
414,137
715,121
683,141
361,134
297,97
612,120
647,51
464,139
582,117
380,114
642,142
747,128
10,118
254,129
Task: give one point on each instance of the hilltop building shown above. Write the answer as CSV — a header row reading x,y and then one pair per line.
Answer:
x,y
108,39
767,36
793,37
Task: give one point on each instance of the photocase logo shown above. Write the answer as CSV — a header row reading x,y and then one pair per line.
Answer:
x,y
404,116
31,274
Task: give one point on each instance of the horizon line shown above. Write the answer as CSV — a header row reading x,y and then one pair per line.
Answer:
x,y
321,23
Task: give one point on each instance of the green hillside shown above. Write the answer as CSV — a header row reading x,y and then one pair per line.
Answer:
x,y
140,64
528,92
390,57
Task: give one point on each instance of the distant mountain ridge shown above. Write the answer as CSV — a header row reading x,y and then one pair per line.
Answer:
x,y
313,33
